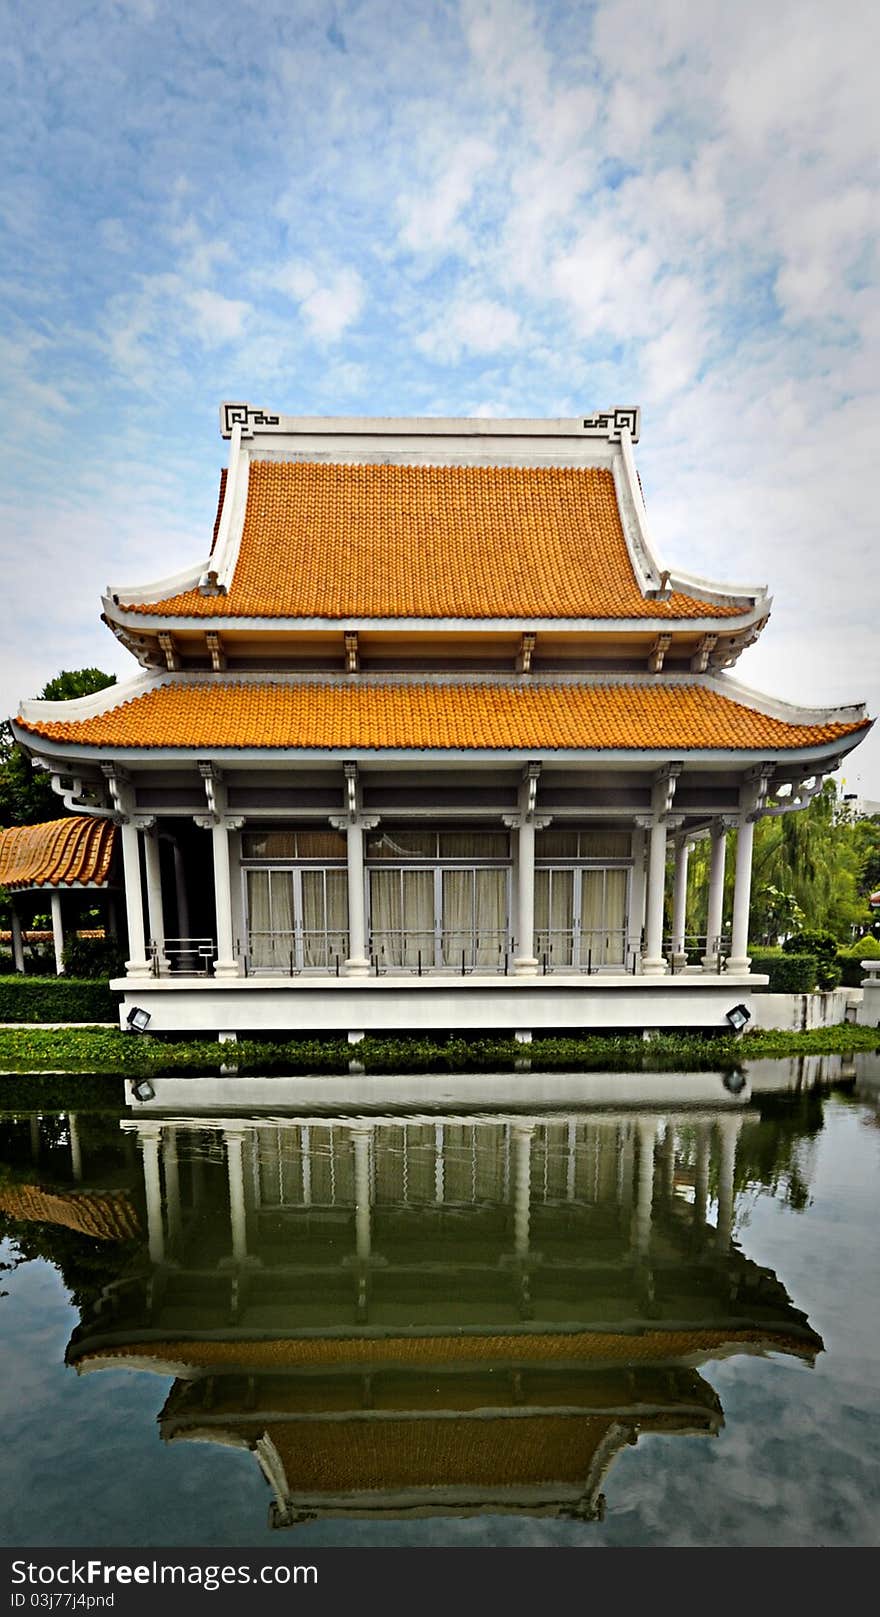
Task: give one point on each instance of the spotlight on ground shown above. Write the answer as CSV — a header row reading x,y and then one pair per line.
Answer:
x,y
739,1017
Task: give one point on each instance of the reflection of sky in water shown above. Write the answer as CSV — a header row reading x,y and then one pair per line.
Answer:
x,y
798,1460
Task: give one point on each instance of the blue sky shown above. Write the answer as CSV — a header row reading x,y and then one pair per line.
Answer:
x,y
457,207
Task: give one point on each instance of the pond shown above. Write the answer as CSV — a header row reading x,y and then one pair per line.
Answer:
x,y
632,1310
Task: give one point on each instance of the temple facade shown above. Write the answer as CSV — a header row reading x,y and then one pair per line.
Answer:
x,y
425,740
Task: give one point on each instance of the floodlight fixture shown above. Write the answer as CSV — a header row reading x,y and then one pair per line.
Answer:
x,y
138,1020
735,1081
738,1017
143,1090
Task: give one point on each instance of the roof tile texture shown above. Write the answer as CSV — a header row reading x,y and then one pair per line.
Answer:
x,y
436,716
57,853
388,541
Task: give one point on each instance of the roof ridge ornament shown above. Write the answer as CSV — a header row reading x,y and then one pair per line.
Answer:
x,y
246,417
610,423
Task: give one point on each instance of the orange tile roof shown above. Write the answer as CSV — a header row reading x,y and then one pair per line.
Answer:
x,y
107,1215
342,541
502,717
531,1347
476,1451
57,853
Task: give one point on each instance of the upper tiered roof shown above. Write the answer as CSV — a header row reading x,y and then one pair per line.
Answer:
x,y
469,527
393,541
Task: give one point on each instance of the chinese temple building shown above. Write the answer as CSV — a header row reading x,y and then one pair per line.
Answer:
x,y
412,745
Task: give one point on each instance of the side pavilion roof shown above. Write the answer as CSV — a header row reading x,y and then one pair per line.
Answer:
x,y
72,852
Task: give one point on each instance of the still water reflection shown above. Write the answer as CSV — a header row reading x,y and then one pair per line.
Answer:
x,y
446,1325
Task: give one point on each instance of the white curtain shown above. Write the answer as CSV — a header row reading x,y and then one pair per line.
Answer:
x,y
474,917
324,917
603,916
402,916
554,915
270,918
259,918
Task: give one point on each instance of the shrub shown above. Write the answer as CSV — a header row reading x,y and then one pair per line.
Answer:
x,y
866,948
94,957
850,960
824,945
789,973
56,999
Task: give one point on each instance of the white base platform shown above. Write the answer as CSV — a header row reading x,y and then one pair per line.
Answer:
x,y
341,1005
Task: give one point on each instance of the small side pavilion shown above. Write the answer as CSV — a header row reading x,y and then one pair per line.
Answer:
x,y
63,860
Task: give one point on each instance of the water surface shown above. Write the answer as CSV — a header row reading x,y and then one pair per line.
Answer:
x,y
641,1313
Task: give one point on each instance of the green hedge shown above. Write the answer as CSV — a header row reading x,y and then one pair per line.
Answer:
x,y
788,973
850,960
56,999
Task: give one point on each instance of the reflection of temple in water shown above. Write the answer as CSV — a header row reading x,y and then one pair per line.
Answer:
x,y
417,1314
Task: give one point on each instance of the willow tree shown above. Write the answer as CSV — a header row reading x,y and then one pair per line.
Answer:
x,y
808,871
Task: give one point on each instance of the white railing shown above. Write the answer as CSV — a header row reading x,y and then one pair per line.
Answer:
x,y
184,957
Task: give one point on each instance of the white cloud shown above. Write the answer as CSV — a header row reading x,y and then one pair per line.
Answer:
x,y
473,325
430,219
329,303
218,319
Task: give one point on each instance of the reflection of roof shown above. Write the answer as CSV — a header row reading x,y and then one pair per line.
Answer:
x,y
58,853
494,1452
311,715
393,541
532,1347
105,1214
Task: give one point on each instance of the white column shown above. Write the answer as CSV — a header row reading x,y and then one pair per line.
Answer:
x,y
715,912
667,1161
679,901
149,1137
57,933
137,964
636,896
525,962
305,1147
360,1139
234,1140
172,1187
654,963
154,894
646,1130
728,1133
17,941
354,825
625,1154
225,965
739,932
522,1187
439,1164
76,1166
180,893
357,964
701,1174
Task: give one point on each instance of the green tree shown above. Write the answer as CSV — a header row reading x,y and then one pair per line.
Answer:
x,y
810,871
26,795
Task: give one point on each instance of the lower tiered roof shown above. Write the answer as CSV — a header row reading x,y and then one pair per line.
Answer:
x,y
209,713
